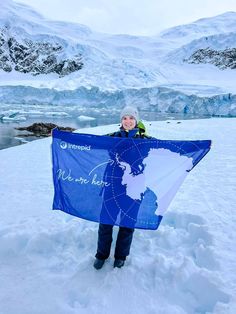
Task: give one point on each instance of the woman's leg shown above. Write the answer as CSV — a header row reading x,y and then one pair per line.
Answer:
x,y
123,243
104,241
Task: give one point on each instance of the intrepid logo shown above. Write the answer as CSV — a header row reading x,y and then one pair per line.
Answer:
x,y
65,145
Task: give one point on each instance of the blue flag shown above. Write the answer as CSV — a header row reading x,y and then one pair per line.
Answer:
x,y
120,181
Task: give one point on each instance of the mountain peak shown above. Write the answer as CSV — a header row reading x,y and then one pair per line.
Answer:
x,y
222,23
216,18
18,7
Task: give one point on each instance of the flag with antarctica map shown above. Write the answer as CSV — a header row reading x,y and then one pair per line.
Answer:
x,y
120,181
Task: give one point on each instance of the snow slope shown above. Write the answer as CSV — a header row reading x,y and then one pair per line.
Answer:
x,y
187,266
223,23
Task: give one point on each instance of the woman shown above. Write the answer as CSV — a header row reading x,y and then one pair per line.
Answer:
x,y
129,128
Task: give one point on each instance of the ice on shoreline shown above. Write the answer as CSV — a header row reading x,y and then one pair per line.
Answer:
x,y
85,118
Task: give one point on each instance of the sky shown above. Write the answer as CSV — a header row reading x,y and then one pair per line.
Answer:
x,y
134,17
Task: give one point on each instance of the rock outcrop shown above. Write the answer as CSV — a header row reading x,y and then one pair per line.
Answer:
x,y
35,57
43,129
223,59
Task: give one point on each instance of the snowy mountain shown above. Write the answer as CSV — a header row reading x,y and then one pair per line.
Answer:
x,y
218,42
64,48
35,57
220,24
194,61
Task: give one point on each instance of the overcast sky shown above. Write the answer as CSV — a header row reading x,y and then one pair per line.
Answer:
x,y
136,17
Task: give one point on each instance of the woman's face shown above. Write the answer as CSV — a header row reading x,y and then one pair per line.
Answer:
x,y
128,122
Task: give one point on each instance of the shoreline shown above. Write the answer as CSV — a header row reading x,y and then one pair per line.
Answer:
x,y
9,137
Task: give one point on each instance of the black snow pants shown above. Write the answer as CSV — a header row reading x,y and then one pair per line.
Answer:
x,y
123,242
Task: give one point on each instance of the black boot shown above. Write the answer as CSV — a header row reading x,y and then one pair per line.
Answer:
x,y
119,263
98,263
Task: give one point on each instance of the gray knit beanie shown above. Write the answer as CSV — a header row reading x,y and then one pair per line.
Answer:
x,y
130,111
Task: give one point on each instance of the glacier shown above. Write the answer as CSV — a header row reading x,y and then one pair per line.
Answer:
x,y
153,99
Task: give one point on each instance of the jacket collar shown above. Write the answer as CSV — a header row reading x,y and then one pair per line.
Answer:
x,y
130,133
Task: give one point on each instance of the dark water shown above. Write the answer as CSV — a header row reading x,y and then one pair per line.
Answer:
x,y
10,137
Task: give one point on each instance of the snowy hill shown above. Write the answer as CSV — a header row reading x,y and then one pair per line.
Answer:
x,y
187,266
27,37
216,42
223,23
196,59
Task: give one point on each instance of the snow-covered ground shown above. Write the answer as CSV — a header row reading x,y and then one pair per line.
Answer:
x,y
186,266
